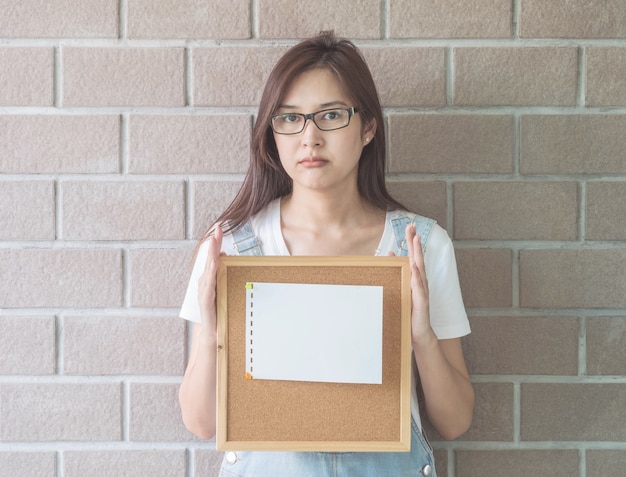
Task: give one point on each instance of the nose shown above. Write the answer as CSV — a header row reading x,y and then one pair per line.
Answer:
x,y
311,134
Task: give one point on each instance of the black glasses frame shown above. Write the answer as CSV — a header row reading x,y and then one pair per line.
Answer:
x,y
311,116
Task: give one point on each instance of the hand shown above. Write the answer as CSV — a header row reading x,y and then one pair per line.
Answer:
x,y
207,284
420,316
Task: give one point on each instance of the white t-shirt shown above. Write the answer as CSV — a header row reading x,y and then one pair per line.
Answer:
x,y
447,312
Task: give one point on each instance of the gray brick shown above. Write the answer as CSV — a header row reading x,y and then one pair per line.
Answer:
x,y
515,76
571,144
129,463
450,19
486,277
516,210
123,210
606,345
522,345
155,414
108,345
60,412
27,464
27,210
27,345
451,144
60,278
517,463
573,412
572,278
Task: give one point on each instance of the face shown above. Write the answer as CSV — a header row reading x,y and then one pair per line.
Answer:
x,y
316,159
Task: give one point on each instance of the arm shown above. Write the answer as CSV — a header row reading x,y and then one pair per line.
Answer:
x,y
197,395
448,392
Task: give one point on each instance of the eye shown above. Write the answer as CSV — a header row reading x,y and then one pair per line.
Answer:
x,y
331,115
290,118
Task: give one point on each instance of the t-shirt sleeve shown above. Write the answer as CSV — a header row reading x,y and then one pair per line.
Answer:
x,y
448,317
190,309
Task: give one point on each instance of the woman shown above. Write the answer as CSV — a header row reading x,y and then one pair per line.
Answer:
x,y
316,186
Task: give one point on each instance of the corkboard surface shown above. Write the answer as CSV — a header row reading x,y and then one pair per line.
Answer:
x,y
263,412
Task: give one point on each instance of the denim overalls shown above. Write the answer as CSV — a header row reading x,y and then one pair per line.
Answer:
x,y
418,462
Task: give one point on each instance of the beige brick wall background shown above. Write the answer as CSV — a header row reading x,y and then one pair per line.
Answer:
x,y
125,128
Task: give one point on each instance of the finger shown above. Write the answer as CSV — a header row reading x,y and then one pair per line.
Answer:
x,y
208,279
418,254
217,236
215,246
409,234
410,237
419,260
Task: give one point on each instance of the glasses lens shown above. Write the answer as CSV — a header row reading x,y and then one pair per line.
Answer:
x,y
288,123
330,119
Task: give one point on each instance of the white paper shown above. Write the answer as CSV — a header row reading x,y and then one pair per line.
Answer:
x,y
322,333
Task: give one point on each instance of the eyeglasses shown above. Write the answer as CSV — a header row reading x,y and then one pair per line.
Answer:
x,y
325,120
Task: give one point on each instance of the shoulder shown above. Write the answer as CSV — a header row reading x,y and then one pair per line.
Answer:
x,y
396,223
406,214
256,235
405,217
440,245
267,215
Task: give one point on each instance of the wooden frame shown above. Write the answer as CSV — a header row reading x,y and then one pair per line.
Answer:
x,y
306,416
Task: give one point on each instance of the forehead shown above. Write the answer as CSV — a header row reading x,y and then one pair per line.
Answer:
x,y
314,87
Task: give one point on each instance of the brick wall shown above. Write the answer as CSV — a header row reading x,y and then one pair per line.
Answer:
x,y
124,129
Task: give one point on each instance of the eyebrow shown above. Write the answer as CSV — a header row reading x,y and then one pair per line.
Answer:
x,y
330,104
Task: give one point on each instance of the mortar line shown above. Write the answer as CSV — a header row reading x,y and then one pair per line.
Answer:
x,y
58,212
123,19
190,461
548,379
126,271
59,463
515,278
487,110
450,207
58,77
517,141
528,445
582,455
384,19
59,365
189,97
451,463
582,216
449,75
125,411
254,19
124,152
189,208
581,97
517,413
515,16
117,445
254,42
90,379
582,347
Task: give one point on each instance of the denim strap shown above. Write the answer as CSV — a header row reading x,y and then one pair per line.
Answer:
x,y
246,242
423,227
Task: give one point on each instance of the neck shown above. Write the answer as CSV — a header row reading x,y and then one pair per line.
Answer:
x,y
315,223
323,209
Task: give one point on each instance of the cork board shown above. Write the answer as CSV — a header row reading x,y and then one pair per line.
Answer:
x,y
256,414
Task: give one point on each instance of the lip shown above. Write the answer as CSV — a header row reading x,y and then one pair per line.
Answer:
x,y
312,162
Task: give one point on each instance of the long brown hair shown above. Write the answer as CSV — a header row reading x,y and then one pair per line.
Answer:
x,y
266,179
